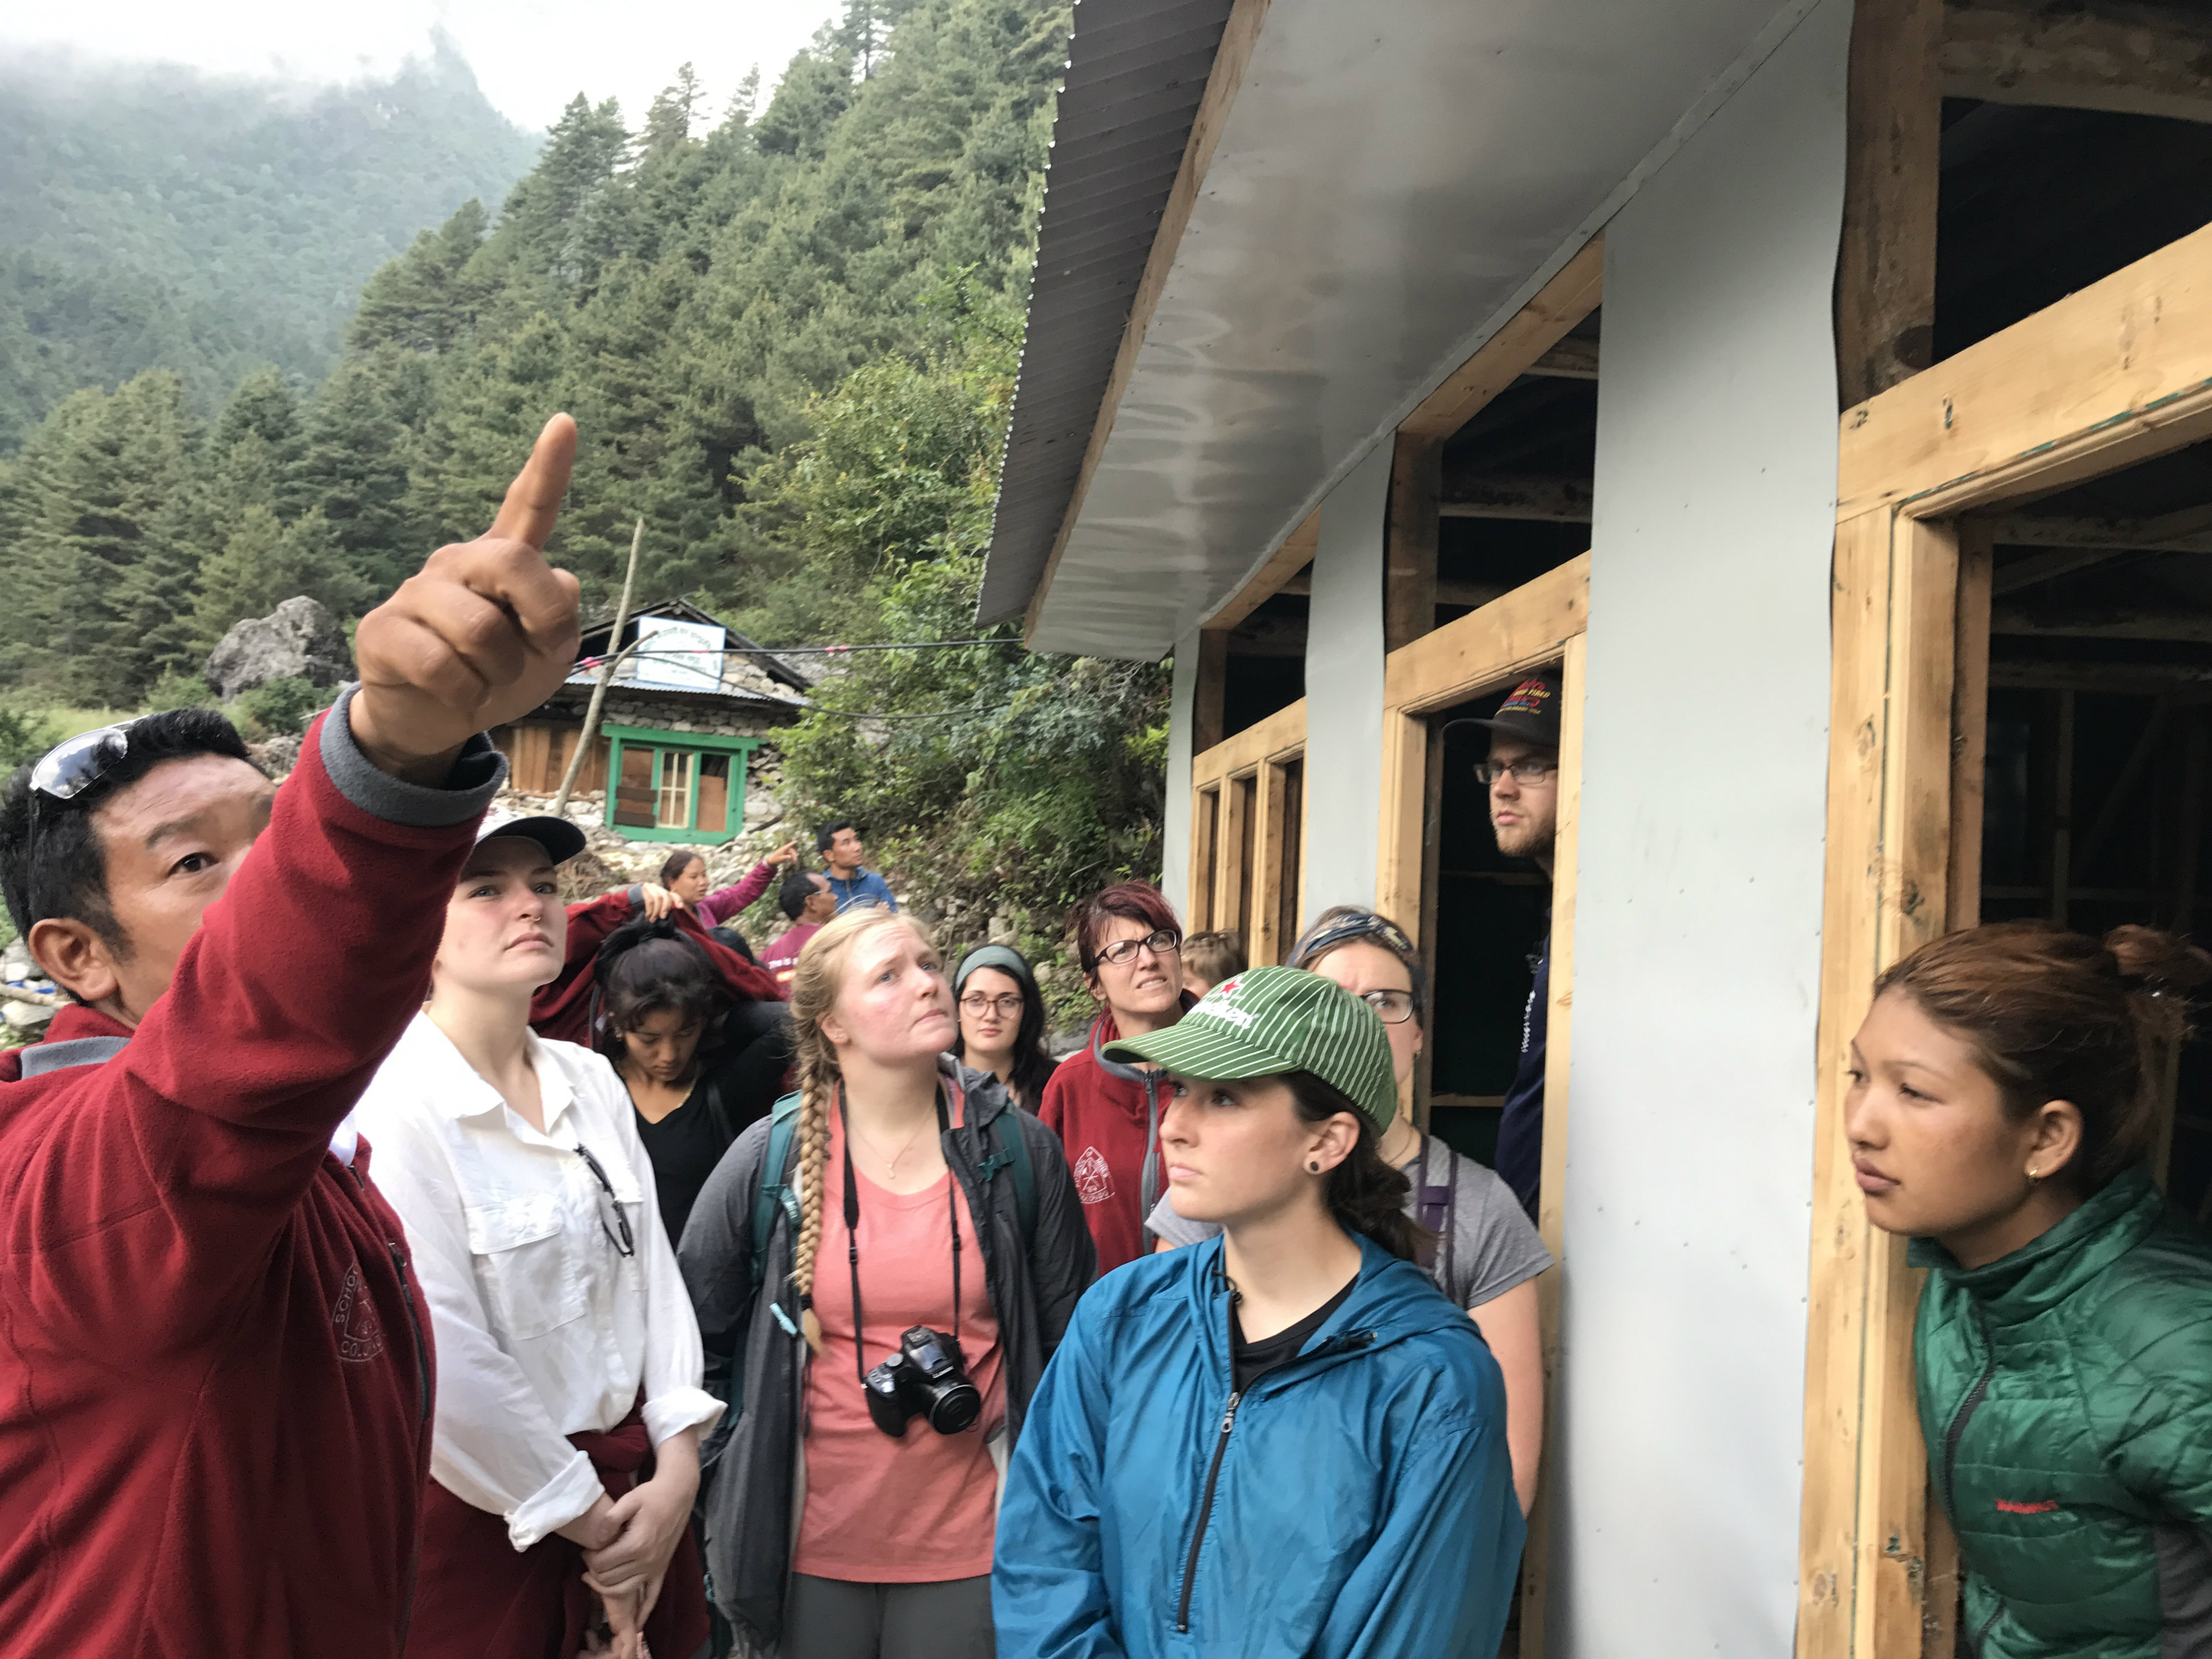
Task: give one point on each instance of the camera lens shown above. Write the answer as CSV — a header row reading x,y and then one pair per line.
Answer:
x,y
954,1406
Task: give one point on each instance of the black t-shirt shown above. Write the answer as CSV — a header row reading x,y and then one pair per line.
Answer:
x,y
1251,1361
684,1147
738,1082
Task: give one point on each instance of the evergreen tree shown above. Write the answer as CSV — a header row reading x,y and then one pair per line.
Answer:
x,y
263,561
428,298
360,443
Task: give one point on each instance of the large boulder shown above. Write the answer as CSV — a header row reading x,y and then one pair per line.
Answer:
x,y
298,640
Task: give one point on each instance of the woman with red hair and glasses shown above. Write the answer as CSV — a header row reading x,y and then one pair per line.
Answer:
x,y
1107,1113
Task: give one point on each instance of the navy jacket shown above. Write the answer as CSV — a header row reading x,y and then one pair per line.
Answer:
x,y
1358,1505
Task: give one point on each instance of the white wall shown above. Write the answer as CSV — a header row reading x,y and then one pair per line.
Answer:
x,y
1175,817
1696,933
1344,692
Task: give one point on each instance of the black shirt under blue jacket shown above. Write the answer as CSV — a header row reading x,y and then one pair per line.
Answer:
x,y
1520,1161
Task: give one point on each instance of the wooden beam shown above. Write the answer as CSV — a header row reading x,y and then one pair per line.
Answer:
x,y
1572,359
2111,376
1863,1549
1265,942
2051,564
1409,565
1970,720
1447,592
2132,60
1473,495
1238,37
1267,636
2189,531
1886,261
2192,627
1295,555
1280,737
1206,713
1488,647
1558,1014
1515,347
2180,680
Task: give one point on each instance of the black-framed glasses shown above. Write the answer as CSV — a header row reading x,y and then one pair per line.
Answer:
x,y
619,1234
1008,1006
1393,1007
1529,769
1123,951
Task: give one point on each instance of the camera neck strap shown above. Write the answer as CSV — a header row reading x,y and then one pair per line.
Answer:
x,y
853,1228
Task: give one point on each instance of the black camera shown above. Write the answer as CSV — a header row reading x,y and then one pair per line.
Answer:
x,y
927,1378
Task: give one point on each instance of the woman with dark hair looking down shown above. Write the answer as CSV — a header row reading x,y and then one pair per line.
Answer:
x,y
2000,1108
1284,1440
698,1068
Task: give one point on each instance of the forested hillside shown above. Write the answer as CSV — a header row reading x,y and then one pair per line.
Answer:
x,y
160,218
789,345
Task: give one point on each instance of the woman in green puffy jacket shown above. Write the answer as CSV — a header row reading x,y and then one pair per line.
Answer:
x,y
2002,1104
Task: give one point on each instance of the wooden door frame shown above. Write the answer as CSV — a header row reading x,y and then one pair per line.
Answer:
x,y
1260,753
1540,623
2110,376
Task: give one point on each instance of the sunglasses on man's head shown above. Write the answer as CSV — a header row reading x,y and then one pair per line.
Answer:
x,y
75,764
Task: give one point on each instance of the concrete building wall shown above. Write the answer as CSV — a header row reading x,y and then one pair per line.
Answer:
x,y
1344,692
1678,1455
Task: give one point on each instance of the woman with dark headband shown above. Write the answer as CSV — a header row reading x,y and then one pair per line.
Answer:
x,y
1002,1022
1477,1242
2001,1107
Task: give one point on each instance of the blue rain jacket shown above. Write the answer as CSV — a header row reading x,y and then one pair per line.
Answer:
x,y
1361,1502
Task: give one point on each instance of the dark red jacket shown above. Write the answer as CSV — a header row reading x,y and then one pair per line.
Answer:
x,y
214,1384
1107,1116
562,1009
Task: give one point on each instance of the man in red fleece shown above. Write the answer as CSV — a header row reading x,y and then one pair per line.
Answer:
x,y
1107,1113
215,1378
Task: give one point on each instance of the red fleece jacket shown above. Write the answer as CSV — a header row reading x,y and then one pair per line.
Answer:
x,y
1101,1113
562,1009
214,1381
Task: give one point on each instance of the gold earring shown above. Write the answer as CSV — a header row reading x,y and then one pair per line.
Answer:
x,y
2032,1175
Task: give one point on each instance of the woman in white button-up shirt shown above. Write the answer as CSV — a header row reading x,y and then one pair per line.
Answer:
x,y
567,1347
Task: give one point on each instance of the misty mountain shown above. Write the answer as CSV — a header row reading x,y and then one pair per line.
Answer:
x,y
159,217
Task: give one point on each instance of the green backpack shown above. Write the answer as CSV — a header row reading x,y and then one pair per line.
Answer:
x,y
776,1193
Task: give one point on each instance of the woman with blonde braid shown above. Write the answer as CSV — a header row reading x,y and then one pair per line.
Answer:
x,y
882,1299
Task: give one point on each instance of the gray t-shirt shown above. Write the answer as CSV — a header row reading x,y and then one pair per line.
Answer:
x,y
1488,1244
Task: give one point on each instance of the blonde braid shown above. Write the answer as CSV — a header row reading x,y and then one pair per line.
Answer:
x,y
816,983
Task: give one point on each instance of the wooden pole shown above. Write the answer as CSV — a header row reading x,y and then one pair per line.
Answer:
x,y
615,654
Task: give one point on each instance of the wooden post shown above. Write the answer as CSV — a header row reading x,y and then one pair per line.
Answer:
x,y
1206,711
615,655
1409,593
1885,262
1970,721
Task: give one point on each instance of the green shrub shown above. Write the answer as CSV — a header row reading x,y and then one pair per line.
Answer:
x,y
176,690
280,707
25,734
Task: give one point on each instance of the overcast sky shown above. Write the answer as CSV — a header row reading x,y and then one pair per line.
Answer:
x,y
529,56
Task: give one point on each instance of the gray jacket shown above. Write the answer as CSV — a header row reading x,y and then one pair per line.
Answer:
x,y
756,1362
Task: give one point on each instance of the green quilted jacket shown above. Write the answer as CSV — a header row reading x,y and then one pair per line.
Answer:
x,y
2066,1396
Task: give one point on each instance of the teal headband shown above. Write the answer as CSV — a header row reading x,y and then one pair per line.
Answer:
x,y
1004,958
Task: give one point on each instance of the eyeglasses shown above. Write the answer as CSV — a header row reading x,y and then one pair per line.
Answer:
x,y
1393,1007
1006,1007
1529,769
618,1235
1123,951
74,765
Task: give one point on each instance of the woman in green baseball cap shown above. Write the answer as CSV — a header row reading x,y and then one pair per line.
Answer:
x,y
1284,1440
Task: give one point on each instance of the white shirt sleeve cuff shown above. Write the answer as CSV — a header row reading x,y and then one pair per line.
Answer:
x,y
555,1504
668,1415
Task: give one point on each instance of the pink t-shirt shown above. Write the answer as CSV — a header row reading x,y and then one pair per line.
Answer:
x,y
922,1509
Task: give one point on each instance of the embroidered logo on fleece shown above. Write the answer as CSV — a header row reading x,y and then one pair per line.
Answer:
x,y
1094,1182
359,1337
2014,1506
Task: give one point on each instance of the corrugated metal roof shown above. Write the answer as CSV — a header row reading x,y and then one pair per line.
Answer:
x,y
1136,71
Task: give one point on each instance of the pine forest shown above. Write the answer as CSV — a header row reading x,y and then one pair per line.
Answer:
x,y
789,333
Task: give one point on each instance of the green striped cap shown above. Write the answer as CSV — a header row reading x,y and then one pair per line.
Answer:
x,y
1266,1021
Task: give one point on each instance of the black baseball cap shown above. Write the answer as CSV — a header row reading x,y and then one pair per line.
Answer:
x,y
1530,713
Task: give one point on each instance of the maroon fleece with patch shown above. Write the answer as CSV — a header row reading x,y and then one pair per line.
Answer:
x,y
215,1377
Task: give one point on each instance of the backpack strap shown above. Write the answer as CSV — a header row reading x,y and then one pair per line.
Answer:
x,y
775,1191
1013,1154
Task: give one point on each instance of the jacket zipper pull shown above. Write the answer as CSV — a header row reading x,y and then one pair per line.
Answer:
x,y
415,1321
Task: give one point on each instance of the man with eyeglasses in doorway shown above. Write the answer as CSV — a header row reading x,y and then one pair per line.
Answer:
x,y
215,1370
1522,772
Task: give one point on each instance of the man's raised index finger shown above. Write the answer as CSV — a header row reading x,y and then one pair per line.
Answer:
x,y
533,500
